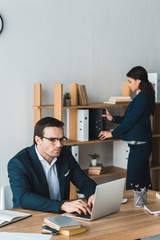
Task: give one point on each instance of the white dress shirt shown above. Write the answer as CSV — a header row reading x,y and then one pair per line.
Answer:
x,y
50,171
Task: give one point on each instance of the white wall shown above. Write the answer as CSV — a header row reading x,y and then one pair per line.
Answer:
x,y
94,42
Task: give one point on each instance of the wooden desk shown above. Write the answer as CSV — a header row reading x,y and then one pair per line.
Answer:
x,y
130,223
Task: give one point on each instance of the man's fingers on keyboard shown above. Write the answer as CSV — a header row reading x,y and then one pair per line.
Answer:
x,y
89,210
78,211
83,209
82,202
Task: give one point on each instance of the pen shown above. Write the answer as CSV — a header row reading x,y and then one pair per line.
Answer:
x,y
52,230
135,187
148,187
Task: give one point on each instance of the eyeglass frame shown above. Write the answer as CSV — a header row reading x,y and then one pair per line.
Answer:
x,y
54,140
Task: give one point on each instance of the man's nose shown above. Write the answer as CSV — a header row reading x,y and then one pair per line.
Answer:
x,y
58,143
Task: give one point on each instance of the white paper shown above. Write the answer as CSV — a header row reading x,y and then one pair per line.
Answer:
x,y
24,236
157,214
157,195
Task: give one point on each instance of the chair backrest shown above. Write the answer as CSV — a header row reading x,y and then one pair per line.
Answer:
x,y
6,198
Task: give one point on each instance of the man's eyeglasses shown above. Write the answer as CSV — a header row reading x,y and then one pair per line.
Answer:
x,y
55,140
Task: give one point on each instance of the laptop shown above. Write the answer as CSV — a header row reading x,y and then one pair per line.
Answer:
x,y
108,197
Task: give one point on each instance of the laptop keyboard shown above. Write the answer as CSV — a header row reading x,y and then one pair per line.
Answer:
x,y
88,216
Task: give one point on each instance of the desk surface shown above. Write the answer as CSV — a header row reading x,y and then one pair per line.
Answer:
x,y
130,223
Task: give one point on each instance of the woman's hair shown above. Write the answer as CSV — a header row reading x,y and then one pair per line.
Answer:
x,y
141,74
43,123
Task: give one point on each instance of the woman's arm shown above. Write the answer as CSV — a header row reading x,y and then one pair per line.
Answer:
x,y
114,119
139,106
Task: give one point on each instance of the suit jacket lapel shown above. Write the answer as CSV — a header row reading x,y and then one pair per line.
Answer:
x,y
39,170
60,177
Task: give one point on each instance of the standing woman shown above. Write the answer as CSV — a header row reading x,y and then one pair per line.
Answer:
x,y
135,128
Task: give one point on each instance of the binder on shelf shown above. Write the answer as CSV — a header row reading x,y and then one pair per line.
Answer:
x,y
96,123
66,122
82,125
154,78
75,152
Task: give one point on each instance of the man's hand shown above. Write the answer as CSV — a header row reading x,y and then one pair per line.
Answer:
x,y
90,201
78,206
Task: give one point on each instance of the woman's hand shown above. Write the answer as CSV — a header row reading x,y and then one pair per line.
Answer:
x,y
108,115
104,134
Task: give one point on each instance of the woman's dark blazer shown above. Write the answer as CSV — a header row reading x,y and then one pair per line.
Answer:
x,y
135,125
29,184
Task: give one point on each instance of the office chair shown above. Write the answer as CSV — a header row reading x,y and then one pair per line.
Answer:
x,y
6,197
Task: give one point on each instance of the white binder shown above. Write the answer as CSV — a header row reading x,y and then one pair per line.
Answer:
x,y
75,152
82,125
154,78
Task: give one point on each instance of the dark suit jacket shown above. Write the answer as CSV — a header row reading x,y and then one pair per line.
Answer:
x,y
29,184
135,125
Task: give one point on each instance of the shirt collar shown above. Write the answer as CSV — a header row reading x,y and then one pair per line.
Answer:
x,y
43,160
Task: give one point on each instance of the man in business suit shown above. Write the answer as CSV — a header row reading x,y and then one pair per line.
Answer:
x,y
40,175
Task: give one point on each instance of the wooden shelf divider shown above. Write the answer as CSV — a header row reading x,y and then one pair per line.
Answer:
x,y
37,102
73,90
58,101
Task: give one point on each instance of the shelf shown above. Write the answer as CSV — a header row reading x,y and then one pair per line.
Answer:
x,y
109,171
71,142
43,107
91,105
75,142
155,168
155,135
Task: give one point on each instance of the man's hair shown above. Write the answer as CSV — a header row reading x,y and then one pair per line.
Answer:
x,y
43,123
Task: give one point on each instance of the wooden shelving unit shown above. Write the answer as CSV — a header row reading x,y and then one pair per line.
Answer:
x,y
58,113
155,163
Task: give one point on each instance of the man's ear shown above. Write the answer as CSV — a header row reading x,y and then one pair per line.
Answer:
x,y
139,81
38,140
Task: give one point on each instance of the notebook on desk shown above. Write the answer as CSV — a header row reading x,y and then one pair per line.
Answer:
x,y
108,197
